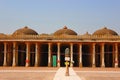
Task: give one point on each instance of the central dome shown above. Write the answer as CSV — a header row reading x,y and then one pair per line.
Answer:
x,y
25,31
65,30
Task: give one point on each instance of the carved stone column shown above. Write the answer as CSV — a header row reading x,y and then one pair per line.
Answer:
x,y
14,54
27,54
49,54
102,56
36,54
71,53
80,54
93,55
116,55
5,54
58,54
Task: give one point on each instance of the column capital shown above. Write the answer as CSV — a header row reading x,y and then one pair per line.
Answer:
x,y
102,44
93,44
71,43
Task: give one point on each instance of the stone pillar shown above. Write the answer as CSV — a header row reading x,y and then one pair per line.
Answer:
x,y
93,55
80,54
71,54
5,54
27,54
14,54
36,54
102,56
49,54
58,54
116,55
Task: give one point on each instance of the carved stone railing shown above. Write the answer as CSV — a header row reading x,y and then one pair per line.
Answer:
x,y
60,37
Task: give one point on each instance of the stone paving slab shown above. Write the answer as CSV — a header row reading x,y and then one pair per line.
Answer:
x,y
60,75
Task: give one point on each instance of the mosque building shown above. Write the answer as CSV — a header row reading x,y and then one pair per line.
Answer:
x,y
25,47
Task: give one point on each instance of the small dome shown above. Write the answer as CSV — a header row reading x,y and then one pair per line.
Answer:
x,y
87,34
105,31
2,34
25,31
65,30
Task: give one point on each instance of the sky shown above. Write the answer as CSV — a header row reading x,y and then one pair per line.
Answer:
x,y
47,16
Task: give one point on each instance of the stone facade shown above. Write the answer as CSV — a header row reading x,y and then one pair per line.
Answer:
x,y
25,47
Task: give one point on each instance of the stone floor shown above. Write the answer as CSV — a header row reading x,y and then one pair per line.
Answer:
x,y
45,73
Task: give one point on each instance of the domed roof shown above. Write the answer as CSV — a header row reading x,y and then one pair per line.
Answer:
x,y
25,31
2,34
105,31
65,30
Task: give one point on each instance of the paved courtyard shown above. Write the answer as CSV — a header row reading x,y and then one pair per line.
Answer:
x,y
45,73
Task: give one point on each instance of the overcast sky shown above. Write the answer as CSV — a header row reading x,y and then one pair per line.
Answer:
x,y
47,16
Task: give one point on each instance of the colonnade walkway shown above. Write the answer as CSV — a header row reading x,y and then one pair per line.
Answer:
x,y
60,74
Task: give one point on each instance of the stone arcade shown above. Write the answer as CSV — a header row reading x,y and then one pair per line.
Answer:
x,y
25,47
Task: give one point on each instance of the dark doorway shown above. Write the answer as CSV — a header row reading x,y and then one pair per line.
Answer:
x,y
43,55
9,54
108,55
32,54
86,56
76,55
1,54
62,54
21,54
97,55
54,55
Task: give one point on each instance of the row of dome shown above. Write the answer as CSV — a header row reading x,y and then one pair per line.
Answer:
x,y
64,30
